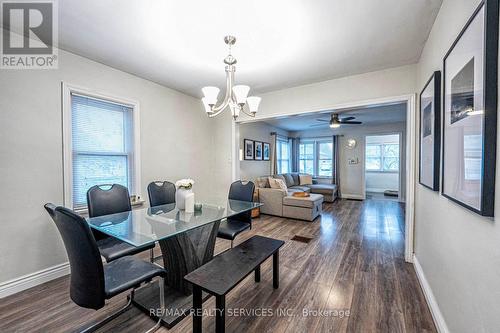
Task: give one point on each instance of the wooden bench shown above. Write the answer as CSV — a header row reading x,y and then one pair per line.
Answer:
x,y
225,271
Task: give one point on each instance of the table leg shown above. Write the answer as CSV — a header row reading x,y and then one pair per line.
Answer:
x,y
257,274
276,269
197,310
220,316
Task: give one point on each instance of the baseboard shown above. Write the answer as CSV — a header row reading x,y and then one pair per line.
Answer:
x,y
352,196
429,297
34,279
379,190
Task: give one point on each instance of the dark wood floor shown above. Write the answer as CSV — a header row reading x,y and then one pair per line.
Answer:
x,y
353,269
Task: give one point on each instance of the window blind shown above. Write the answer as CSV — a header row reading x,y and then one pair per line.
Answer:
x,y
102,145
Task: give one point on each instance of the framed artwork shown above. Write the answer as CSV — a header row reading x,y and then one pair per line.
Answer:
x,y
258,151
470,112
430,132
266,151
248,149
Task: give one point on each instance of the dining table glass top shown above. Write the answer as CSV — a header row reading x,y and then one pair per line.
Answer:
x,y
145,226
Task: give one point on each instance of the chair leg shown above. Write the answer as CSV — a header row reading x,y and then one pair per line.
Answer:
x,y
162,306
152,255
112,316
232,243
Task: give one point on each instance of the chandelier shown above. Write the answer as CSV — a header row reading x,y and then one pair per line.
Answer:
x,y
236,96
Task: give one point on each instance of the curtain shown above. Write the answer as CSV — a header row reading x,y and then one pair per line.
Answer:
x,y
295,154
274,154
336,163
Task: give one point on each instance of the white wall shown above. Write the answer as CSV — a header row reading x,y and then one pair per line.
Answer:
x,y
176,141
352,176
257,131
381,181
459,251
392,82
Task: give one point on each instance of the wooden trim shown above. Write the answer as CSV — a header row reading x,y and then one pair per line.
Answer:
x,y
429,297
67,149
33,279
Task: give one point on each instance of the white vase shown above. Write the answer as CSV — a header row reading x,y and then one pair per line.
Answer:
x,y
180,197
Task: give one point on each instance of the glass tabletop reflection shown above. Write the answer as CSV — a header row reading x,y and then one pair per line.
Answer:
x,y
147,225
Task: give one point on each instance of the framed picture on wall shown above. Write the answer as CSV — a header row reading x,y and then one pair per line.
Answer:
x,y
430,132
266,151
258,150
470,112
248,149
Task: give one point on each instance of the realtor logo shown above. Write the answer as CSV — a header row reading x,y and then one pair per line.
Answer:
x,y
29,35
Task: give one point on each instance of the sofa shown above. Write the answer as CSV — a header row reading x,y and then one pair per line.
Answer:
x,y
322,186
282,203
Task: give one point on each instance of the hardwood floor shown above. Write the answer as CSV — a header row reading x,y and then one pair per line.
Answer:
x,y
353,270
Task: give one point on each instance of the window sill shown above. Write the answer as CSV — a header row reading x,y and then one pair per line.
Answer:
x,y
85,212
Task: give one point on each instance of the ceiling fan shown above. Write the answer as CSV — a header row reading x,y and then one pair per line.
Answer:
x,y
335,121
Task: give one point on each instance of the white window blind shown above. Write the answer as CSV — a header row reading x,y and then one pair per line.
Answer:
x,y
102,145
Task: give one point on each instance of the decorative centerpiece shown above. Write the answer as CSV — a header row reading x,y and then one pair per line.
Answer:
x,y
184,191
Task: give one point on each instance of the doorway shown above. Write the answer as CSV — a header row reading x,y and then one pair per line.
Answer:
x,y
383,179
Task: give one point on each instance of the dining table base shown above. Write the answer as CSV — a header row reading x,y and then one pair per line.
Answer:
x,y
177,304
182,254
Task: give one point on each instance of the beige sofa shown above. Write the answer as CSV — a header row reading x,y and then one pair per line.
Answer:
x,y
281,203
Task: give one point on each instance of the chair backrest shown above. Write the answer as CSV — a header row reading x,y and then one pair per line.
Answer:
x,y
87,273
161,193
242,192
114,200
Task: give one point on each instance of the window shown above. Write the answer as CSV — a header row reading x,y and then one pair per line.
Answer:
x,y
382,153
325,159
315,157
283,156
306,158
101,146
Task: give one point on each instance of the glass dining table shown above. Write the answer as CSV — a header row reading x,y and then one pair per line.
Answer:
x,y
187,241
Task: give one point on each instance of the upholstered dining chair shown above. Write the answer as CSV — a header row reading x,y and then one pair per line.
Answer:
x,y
235,225
161,193
102,201
91,281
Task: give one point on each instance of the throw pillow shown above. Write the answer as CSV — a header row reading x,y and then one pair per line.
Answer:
x,y
305,179
288,179
273,183
262,182
281,184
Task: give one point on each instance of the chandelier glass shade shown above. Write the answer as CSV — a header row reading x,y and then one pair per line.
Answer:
x,y
236,97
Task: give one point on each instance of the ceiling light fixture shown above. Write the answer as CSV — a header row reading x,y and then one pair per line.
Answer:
x,y
235,97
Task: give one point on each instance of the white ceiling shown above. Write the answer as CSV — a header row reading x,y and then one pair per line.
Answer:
x,y
383,114
281,43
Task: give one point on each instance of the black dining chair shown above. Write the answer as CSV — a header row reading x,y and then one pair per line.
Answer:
x,y
161,193
91,281
116,199
235,225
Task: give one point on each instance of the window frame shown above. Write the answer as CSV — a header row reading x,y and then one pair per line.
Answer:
x,y
67,91
316,142
280,141
382,157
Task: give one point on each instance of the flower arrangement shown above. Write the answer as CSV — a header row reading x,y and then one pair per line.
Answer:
x,y
186,183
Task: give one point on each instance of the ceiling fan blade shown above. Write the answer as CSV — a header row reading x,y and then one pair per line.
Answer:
x,y
351,122
318,125
323,120
347,118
